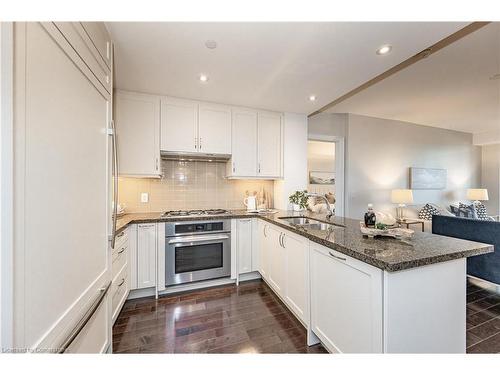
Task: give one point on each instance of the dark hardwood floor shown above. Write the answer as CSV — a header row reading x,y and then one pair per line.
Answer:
x,y
251,319
483,318
226,319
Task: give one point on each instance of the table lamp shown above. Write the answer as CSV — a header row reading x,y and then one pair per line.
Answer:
x,y
401,197
477,195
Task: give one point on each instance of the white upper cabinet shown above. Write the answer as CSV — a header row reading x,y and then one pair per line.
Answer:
x,y
214,129
179,125
244,144
137,118
269,144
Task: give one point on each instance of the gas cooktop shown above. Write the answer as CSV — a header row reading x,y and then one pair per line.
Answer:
x,y
215,211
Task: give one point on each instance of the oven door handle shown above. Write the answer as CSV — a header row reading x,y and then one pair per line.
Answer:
x,y
194,239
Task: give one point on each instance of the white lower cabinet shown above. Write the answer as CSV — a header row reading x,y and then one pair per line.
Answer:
x,y
277,261
346,302
244,245
264,253
120,286
146,255
297,274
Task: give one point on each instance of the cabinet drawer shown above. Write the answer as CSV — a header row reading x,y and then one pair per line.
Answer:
x,y
94,338
83,45
121,238
120,259
119,291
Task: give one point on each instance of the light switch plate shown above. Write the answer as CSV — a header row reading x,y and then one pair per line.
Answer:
x,y
144,197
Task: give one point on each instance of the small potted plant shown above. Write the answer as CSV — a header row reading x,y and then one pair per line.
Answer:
x,y
299,200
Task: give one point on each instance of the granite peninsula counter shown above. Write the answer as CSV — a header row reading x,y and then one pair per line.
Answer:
x,y
345,237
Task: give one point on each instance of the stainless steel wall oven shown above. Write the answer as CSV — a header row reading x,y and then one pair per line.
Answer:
x,y
197,250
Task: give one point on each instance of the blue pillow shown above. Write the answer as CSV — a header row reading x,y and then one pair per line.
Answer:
x,y
464,210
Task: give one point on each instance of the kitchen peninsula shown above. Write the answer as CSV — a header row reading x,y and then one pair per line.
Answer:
x,y
352,293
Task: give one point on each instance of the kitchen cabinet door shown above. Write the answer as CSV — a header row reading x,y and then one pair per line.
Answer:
x,y
264,249
60,214
214,129
137,118
244,144
244,245
297,273
146,255
277,268
269,148
346,302
100,37
179,125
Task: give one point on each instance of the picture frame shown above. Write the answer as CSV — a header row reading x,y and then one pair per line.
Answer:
x,y
428,178
321,178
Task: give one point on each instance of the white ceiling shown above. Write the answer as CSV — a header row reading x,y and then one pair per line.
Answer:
x,y
450,89
264,65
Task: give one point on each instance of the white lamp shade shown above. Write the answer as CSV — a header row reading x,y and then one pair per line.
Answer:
x,y
477,194
402,196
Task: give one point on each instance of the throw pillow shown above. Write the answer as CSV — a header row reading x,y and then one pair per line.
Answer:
x,y
427,211
481,211
467,211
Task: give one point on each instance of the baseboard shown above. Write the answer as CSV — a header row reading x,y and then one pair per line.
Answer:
x,y
491,284
250,276
151,292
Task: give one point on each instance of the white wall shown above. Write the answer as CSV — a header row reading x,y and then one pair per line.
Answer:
x,y
328,124
380,153
490,177
295,159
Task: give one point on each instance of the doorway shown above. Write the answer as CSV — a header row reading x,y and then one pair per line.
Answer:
x,y
325,168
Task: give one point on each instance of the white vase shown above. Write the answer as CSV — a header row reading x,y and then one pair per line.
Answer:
x,y
296,207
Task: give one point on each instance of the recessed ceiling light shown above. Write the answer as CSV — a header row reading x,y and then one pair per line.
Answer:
x,y
384,50
312,98
211,44
203,78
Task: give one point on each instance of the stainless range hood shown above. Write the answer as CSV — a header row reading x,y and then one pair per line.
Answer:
x,y
194,156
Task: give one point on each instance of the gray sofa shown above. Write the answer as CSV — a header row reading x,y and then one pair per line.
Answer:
x,y
487,266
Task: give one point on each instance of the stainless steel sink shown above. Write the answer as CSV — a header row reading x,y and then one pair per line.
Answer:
x,y
307,223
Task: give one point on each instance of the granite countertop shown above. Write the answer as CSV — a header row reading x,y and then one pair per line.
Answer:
x,y
345,237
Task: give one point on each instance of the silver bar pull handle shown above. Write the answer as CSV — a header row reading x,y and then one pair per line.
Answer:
x,y
337,257
115,184
84,320
194,239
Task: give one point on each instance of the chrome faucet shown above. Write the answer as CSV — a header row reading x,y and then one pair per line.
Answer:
x,y
329,208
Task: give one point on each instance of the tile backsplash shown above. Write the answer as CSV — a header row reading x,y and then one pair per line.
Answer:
x,y
189,185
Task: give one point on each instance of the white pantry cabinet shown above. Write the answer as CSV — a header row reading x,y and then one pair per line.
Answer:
x,y
244,243
297,273
346,302
137,118
214,129
146,255
243,162
269,144
179,125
